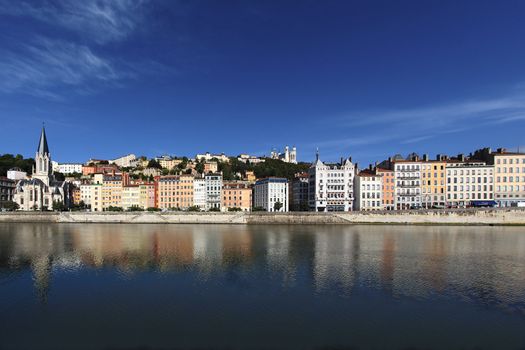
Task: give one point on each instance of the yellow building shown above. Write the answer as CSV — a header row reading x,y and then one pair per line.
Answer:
x,y
250,176
111,189
147,195
433,182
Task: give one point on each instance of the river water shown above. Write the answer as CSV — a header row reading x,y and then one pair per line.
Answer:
x,y
118,286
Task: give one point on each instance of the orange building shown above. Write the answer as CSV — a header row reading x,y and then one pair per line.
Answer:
x,y
99,168
76,196
236,195
174,191
388,187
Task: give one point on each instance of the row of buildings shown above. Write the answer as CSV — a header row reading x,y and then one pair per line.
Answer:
x,y
485,178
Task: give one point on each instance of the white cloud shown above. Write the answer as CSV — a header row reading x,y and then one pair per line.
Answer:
x,y
102,20
44,66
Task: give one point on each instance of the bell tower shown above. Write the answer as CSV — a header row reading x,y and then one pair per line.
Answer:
x,y
43,168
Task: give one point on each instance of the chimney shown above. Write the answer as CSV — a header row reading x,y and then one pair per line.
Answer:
x,y
342,161
438,156
461,157
425,157
370,166
350,159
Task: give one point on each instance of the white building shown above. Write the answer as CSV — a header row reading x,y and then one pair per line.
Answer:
x,y
125,161
199,193
288,156
41,190
269,191
407,175
469,181
213,190
69,168
16,174
208,156
368,191
331,187
249,159
131,197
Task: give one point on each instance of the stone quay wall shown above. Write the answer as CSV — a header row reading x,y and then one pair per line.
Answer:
x,y
491,216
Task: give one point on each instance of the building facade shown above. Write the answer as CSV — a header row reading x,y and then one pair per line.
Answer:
x,y
213,191
199,193
271,194
433,183
331,187
407,174
7,190
469,181
510,178
125,161
368,191
236,195
299,192
388,188
174,192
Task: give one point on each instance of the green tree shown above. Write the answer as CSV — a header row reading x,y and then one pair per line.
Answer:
x,y
277,206
58,206
112,208
135,208
154,164
151,209
194,208
9,205
258,209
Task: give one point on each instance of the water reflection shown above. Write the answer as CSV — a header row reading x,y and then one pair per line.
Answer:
x,y
484,265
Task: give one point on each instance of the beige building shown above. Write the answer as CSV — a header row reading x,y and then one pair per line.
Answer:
x,y
174,191
210,167
236,195
131,197
91,194
469,181
510,178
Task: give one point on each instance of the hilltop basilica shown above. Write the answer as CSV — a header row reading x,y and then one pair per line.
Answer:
x,y
39,191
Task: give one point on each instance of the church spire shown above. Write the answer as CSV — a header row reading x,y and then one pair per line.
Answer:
x,y
42,144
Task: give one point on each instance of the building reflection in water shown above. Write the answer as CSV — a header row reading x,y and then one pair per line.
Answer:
x,y
482,263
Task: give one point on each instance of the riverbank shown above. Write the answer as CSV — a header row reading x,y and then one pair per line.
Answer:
x,y
491,216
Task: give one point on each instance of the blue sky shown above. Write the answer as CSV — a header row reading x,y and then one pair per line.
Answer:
x,y
362,78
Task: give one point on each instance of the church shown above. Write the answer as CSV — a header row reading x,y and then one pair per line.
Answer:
x,y
41,190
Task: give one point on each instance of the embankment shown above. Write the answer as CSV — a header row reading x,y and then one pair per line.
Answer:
x,y
497,216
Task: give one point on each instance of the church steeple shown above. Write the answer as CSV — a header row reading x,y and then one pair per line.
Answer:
x,y
43,168
42,144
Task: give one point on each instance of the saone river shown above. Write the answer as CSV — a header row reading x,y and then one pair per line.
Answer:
x,y
72,286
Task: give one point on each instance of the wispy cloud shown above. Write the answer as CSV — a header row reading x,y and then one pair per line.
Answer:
x,y
414,126
102,20
492,110
44,66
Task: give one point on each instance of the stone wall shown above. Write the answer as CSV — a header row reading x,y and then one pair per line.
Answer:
x,y
499,216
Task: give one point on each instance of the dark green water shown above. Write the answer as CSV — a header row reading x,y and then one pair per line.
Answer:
x,y
96,286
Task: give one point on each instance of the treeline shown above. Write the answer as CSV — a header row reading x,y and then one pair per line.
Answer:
x,y
270,167
8,161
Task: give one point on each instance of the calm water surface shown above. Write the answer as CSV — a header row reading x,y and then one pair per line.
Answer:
x,y
72,286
